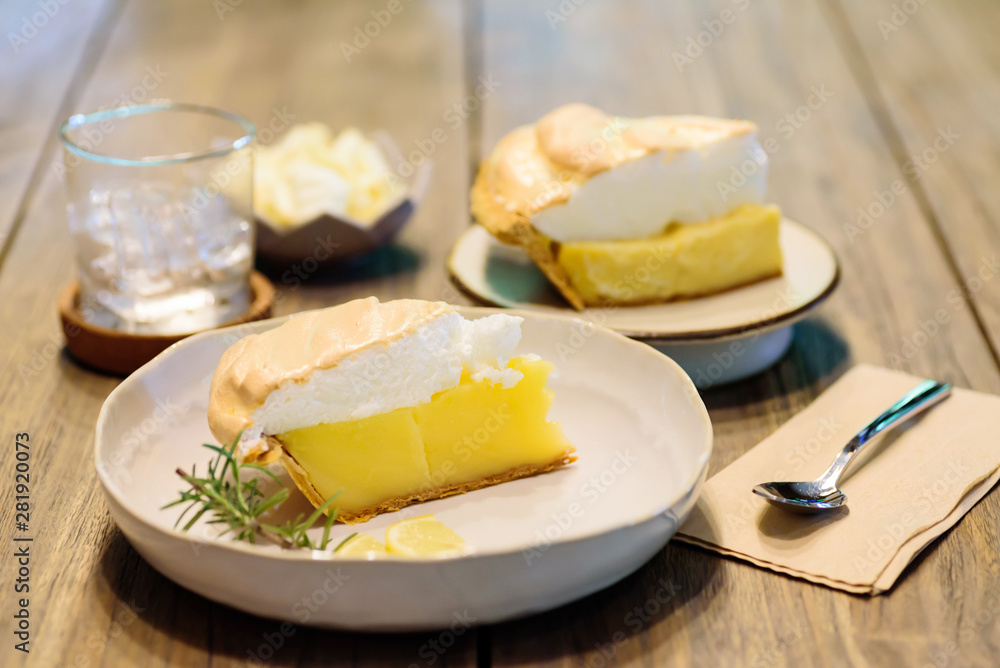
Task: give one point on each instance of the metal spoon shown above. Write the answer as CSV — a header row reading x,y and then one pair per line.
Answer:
x,y
822,493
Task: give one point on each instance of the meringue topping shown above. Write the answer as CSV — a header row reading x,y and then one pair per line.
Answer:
x,y
310,172
351,361
579,174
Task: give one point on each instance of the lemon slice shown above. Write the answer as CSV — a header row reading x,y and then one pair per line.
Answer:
x,y
363,546
423,536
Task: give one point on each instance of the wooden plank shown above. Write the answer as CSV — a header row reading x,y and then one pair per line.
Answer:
x,y
44,52
107,607
930,71
94,601
767,60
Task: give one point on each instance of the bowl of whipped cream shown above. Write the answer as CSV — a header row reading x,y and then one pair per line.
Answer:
x,y
332,197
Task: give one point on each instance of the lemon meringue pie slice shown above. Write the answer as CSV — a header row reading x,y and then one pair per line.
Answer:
x,y
633,210
388,404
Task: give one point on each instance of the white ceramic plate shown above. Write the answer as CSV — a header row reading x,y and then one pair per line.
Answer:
x,y
501,275
716,340
643,438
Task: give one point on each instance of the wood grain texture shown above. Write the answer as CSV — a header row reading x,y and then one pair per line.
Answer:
x,y
95,602
930,71
770,60
45,52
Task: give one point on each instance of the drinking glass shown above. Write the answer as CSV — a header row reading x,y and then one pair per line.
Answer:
x,y
160,210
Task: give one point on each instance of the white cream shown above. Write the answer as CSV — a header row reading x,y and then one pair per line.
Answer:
x,y
405,372
310,173
638,198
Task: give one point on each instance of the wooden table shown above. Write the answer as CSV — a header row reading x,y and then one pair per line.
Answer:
x,y
867,101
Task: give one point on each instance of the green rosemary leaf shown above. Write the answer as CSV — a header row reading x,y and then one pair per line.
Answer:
x,y
263,470
194,519
331,517
239,503
344,542
319,511
278,497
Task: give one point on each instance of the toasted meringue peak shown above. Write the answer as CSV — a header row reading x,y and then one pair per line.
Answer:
x,y
579,174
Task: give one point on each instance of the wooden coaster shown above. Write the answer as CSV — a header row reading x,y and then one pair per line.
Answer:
x,y
122,353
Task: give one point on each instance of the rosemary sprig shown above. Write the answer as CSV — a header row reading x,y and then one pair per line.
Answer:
x,y
344,542
240,504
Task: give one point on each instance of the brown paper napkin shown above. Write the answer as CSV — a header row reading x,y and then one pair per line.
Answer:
x,y
907,489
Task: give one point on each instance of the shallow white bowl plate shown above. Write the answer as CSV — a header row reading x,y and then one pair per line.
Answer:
x,y
716,339
643,438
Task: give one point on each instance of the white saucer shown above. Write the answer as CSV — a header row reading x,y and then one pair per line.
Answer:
x,y
643,440
716,339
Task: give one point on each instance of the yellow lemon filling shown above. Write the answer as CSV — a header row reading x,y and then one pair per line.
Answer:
x,y
476,434
687,260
